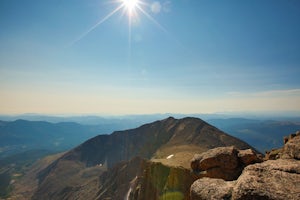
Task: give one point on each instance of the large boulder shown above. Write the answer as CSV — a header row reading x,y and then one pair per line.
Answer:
x,y
273,179
225,157
223,162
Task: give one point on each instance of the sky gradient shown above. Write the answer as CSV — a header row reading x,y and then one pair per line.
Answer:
x,y
180,56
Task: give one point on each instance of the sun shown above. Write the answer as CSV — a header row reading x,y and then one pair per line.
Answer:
x,y
130,5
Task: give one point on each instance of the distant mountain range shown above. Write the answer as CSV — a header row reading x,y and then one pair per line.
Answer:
x,y
21,135
131,121
62,133
262,134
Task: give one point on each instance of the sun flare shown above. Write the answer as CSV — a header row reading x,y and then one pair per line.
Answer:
x,y
132,8
130,5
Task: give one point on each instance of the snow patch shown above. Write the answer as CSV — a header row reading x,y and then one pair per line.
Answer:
x,y
170,156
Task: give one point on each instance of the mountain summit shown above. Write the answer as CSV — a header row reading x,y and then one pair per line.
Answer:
x,y
156,140
167,144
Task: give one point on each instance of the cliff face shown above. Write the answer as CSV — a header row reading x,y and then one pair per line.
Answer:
x,y
162,182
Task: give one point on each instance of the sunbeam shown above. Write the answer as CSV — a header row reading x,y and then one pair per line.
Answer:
x,y
98,23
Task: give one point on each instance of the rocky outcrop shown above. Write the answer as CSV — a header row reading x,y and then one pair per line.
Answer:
x,y
276,180
223,162
291,148
271,180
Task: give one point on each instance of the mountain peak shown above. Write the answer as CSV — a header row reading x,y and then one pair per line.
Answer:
x,y
170,142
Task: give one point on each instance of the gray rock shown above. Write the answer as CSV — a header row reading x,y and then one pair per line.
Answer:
x,y
208,188
273,179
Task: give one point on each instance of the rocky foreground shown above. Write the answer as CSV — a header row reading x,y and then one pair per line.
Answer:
x,y
272,179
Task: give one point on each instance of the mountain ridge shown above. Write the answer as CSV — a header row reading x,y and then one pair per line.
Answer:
x,y
153,141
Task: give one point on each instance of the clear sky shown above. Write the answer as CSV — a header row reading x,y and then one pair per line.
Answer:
x,y
175,56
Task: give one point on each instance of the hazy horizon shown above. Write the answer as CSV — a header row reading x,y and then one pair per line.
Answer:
x,y
214,115
160,56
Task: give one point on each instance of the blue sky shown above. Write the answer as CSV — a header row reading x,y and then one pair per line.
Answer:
x,y
186,56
